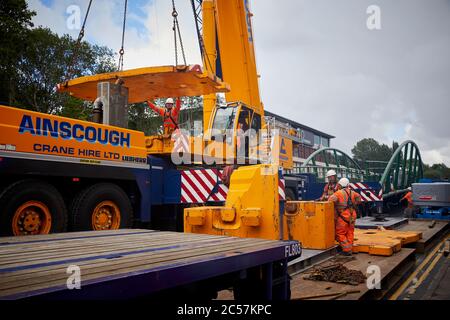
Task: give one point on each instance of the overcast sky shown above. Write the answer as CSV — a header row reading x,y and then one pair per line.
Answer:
x,y
319,63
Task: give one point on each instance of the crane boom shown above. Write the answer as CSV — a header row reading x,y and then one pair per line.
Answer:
x,y
229,52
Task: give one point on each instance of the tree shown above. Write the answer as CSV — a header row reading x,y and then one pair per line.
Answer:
x,y
436,171
370,149
140,118
45,62
33,61
15,21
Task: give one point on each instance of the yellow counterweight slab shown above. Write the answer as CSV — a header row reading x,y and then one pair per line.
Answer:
x,y
150,83
311,223
383,242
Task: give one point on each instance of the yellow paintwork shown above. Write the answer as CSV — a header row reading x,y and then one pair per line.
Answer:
x,y
149,83
228,22
237,52
209,62
282,150
383,242
251,209
162,144
311,223
227,26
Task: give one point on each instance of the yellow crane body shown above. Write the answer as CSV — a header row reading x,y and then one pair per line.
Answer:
x,y
251,209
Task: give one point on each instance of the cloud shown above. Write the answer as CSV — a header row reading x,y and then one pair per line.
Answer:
x,y
319,63
148,38
341,78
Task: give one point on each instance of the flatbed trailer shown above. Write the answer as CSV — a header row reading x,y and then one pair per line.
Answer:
x,y
136,263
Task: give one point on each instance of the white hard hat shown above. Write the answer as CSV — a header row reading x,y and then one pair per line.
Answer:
x,y
170,100
344,182
409,188
331,173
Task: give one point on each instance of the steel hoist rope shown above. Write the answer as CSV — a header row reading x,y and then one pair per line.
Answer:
x,y
177,35
77,46
122,51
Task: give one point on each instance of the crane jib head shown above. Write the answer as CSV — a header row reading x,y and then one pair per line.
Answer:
x,y
65,130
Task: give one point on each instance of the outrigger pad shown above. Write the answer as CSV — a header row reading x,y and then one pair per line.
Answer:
x,y
150,83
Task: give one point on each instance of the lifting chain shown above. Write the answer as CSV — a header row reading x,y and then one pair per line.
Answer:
x,y
122,51
176,31
77,47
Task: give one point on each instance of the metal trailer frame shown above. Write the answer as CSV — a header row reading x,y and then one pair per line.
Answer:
x,y
215,263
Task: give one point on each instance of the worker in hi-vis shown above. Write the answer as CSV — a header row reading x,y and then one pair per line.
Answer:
x,y
345,202
408,197
169,114
331,187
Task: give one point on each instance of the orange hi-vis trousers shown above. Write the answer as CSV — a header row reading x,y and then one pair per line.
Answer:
x,y
345,229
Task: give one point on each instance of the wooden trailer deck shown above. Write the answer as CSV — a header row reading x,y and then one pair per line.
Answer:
x,y
127,263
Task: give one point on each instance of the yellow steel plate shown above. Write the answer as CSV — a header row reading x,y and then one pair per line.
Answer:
x,y
150,83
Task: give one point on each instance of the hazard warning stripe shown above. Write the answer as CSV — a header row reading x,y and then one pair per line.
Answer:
x,y
281,189
213,177
367,194
190,188
206,187
197,186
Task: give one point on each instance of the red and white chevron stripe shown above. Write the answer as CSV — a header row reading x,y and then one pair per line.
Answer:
x,y
197,186
367,194
281,189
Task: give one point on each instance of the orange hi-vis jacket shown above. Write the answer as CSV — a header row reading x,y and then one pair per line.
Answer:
x,y
328,191
342,200
170,119
408,197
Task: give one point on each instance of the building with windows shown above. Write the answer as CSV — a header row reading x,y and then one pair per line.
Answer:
x,y
305,140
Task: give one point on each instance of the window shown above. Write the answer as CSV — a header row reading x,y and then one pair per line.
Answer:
x,y
316,140
296,150
224,120
244,119
325,142
256,122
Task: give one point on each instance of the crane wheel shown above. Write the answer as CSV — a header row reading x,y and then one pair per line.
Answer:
x,y
103,206
30,207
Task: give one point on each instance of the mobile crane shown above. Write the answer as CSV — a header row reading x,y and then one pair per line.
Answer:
x,y
61,174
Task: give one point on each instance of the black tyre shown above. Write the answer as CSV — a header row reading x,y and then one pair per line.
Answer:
x,y
30,207
290,195
103,206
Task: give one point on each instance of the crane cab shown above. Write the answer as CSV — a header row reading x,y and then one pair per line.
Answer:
x,y
235,131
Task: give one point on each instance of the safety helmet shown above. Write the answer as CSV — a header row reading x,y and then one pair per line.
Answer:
x,y
331,173
169,101
344,182
409,188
